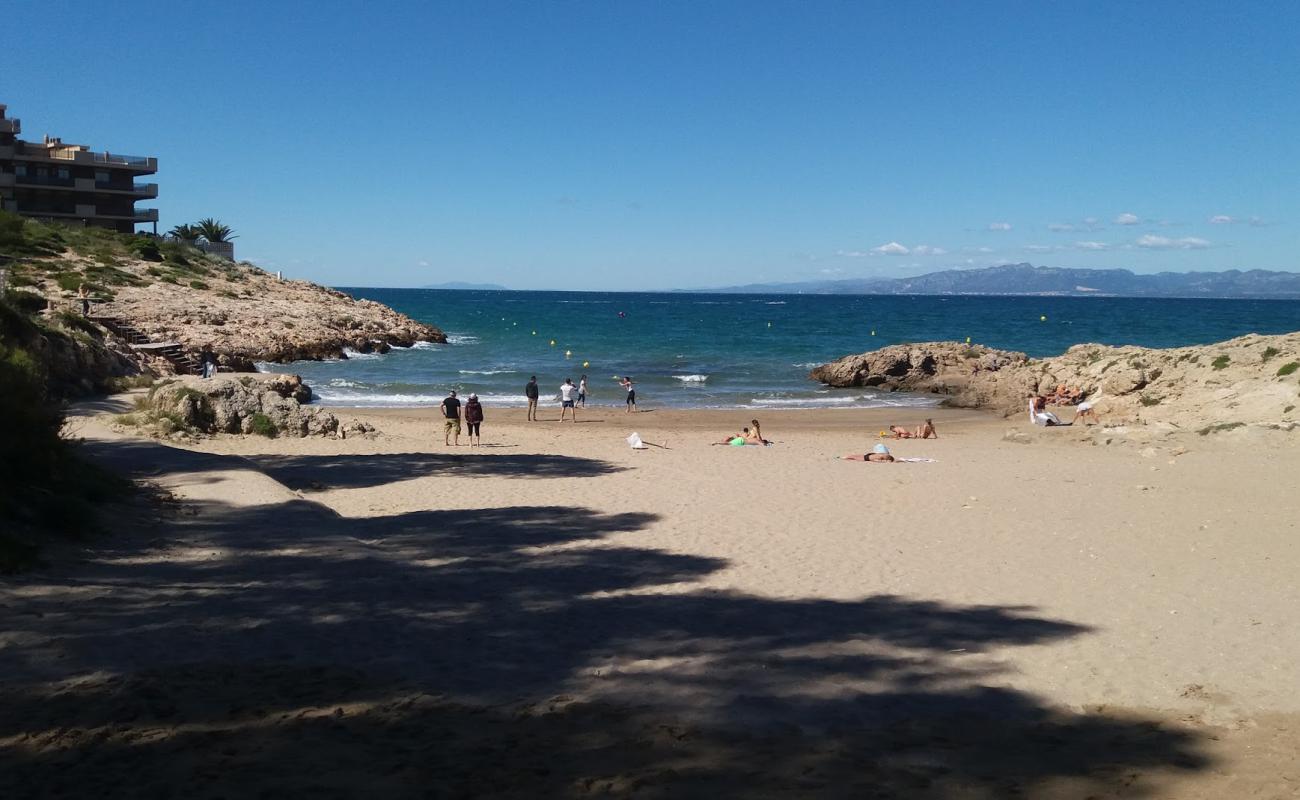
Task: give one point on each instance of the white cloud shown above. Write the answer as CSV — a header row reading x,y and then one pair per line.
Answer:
x,y
891,249
1128,219
1000,226
1150,242
1040,248
851,253
831,271
423,263
1221,219
982,250
1062,227
1092,245
927,250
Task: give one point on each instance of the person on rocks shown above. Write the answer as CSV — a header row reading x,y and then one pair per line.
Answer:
x,y
473,419
451,413
208,361
567,394
530,391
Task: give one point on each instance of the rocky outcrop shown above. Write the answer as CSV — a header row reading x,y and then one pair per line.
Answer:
x,y
1251,380
243,313
260,403
972,376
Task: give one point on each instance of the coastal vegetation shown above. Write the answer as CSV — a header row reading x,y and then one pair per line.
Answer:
x,y
47,490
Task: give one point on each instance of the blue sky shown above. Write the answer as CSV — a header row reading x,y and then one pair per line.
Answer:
x,y
619,145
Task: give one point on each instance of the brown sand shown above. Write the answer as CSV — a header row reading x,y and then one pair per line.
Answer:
x,y
558,615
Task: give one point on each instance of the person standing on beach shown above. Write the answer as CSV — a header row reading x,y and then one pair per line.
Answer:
x,y
451,412
530,391
473,419
626,383
567,392
582,391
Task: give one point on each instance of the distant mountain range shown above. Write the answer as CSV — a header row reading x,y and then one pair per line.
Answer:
x,y
1027,279
461,285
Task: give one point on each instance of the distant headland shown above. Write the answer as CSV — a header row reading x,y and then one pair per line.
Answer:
x,y
1027,279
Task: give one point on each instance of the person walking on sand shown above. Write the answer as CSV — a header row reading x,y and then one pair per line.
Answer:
x,y
473,419
567,393
626,383
451,413
530,391
582,391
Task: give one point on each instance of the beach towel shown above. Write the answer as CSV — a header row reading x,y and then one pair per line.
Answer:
x,y
917,460
635,441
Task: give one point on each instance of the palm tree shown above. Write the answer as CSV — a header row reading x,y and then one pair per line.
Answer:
x,y
186,233
214,231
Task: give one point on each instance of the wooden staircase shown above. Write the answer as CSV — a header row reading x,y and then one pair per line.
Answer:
x,y
174,352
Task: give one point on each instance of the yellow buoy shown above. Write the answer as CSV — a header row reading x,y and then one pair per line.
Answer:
x,y
586,363
534,333
514,323
1043,318
769,324
552,343
873,333
967,340
568,353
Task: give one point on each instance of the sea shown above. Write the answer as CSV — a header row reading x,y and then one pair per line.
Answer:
x,y
687,350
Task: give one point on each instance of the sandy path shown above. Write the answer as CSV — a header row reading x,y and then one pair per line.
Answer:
x,y
1067,603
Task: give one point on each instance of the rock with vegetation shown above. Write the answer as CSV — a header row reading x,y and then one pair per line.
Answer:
x,y
260,404
1244,382
173,292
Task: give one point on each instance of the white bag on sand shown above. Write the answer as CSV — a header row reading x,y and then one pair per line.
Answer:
x,y
635,441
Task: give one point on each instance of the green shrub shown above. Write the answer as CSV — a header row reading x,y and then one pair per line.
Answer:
x,y
1269,352
1288,368
198,285
263,426
22,279
146,248
124,382
27,302
1222,426
69,281
1148,400
74,321
1220,362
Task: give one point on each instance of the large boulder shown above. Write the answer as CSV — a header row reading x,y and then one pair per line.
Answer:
x,y
246,404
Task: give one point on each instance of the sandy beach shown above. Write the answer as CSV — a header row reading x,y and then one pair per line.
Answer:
x,y
556,615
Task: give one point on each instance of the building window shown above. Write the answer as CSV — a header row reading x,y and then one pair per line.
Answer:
x,y
20,170
101,177
63,172
41,172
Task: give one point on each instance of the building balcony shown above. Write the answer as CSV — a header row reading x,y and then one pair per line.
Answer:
x,y
142,190
145,163
146,215
6,179
11,126
45,180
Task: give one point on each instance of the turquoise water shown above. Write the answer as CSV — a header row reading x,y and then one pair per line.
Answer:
x,y
735,351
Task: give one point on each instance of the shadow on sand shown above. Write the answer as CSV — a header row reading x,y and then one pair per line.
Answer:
x,y
283,651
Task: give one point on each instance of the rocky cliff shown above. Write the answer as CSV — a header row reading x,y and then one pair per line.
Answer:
x,y
1251,380
174,293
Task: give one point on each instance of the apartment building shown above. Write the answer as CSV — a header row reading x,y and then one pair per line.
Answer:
x,y
53,180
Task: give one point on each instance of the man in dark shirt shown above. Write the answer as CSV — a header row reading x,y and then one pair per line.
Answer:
x,y
531,391
451,411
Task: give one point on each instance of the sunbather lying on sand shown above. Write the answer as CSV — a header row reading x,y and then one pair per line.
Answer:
x,y
900,432
878,455
739,439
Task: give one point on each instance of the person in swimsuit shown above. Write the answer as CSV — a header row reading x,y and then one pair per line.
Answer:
x,y
900,432
757,436
927,431
738,439
878,455
626,383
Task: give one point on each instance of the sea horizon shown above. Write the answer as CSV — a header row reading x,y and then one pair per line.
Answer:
x,y
734,351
